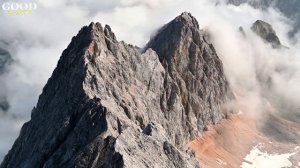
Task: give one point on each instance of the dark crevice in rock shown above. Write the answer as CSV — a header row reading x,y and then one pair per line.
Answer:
x,y
119,126
151,76
149,128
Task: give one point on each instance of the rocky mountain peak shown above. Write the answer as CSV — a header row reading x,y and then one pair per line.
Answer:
x,y
192,63
108,105
96,29
266,32
181,30
187,19
93,32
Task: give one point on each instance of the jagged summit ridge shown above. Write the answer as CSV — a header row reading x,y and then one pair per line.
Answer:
x,y
174,31
108,105
187,19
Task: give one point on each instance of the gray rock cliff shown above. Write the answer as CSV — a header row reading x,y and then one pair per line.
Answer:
x,y
108,105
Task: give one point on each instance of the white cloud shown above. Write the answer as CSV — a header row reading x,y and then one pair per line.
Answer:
x,y
261,159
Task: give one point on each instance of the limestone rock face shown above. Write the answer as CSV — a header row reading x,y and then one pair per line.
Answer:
x,y
266,32
108,105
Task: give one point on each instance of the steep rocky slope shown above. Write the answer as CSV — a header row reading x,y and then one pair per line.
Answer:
x,y
108,105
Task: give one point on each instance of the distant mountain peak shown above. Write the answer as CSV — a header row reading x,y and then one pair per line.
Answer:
x,y
290,8
266,32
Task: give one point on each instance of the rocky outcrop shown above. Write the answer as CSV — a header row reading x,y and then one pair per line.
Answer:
x,y
266,32
108,105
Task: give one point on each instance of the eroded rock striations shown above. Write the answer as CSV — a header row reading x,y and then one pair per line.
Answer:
x,y
108,105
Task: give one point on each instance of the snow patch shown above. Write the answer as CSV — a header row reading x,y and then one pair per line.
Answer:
x,y
260,159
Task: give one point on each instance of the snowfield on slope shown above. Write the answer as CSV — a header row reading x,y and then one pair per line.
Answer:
x,y
261,159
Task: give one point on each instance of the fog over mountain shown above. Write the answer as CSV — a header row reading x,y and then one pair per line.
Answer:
x,y
263,77
290,8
